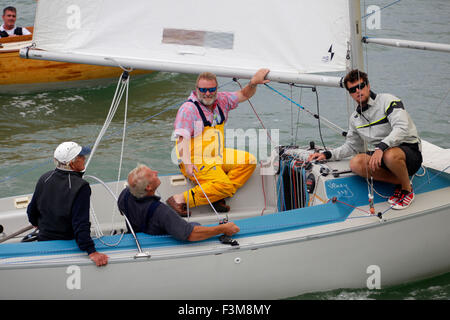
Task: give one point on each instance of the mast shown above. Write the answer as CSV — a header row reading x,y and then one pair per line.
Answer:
x,y
355,46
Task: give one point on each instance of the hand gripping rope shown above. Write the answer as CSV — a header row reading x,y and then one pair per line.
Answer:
x,y
223,238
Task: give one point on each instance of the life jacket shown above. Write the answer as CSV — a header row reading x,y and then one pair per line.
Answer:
x,y
17,32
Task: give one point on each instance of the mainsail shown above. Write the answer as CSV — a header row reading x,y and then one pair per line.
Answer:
x,y
293,38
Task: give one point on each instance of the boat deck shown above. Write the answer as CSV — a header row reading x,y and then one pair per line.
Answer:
x,y
350,192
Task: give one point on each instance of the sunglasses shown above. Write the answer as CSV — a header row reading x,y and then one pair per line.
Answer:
x,y
204,90
360,86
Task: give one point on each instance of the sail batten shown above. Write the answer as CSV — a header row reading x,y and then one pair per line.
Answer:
x,y
290,37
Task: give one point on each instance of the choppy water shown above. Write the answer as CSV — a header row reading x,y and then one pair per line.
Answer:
x,y
31,125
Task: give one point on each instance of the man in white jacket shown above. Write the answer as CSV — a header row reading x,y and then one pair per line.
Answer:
x,y
8,28
379,120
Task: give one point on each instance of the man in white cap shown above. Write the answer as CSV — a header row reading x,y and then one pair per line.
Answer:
x,y
60,204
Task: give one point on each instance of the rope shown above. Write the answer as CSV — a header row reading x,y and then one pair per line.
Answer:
x,y
347,204
264,192
121,86
298,116
121,153
214,209
99,233
329,123
386,6
257,116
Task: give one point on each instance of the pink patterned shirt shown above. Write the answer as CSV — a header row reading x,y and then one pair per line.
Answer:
x,y
188,122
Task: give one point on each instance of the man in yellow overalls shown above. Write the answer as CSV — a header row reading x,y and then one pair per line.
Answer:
x,y
199,130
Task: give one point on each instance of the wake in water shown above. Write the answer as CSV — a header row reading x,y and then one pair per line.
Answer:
x,y
437,288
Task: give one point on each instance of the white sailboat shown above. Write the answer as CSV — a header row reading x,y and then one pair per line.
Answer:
x,y
293,240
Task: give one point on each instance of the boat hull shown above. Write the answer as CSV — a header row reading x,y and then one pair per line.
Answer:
x,y
286,265
327,245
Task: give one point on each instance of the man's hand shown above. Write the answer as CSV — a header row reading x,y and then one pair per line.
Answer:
x,y
375,160
230,228
190,169
100,259
249,90
260,77
316,156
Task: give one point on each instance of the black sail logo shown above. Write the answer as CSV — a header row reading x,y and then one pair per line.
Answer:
x,y
329,56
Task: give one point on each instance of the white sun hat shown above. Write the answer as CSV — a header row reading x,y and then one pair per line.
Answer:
x,y
67,151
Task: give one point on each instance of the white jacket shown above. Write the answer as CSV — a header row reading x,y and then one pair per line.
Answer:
x,y
383,123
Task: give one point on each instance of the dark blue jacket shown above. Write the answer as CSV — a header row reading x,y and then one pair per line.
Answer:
x,y
151,216
60,208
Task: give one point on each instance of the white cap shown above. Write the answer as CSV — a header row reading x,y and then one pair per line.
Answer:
x,y
67,151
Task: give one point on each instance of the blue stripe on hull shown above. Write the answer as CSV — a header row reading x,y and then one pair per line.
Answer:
x,y
351,190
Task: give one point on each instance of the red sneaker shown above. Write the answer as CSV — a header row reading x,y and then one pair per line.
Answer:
x,y
396,196
405,200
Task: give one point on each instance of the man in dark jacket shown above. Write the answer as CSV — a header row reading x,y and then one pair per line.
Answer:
x,y
60,204
147,214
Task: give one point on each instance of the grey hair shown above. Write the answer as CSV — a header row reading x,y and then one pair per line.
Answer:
x,y
137,181
62,165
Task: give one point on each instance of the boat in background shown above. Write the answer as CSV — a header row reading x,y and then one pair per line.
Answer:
x,y
19,75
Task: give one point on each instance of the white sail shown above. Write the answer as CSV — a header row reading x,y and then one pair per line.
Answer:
x,y
291,37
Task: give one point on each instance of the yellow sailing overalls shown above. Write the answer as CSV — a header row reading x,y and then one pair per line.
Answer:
x,y
221,170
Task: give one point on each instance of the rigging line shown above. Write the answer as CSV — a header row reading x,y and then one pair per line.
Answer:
x,y
440,103
298,115
121,151
318,118
365,48
115,198
292,118
386,6
214,209
263,190
114,105
333,126
257,116
370,187
354,207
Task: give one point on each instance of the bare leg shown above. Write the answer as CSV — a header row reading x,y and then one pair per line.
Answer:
x,y
395,160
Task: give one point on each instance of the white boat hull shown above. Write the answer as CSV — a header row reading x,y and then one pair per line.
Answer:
x,y
264,267
319,250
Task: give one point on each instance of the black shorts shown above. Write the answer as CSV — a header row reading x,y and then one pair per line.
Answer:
x,y
413,157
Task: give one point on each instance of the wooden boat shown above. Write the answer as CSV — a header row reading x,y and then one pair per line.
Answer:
x,y
19,75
